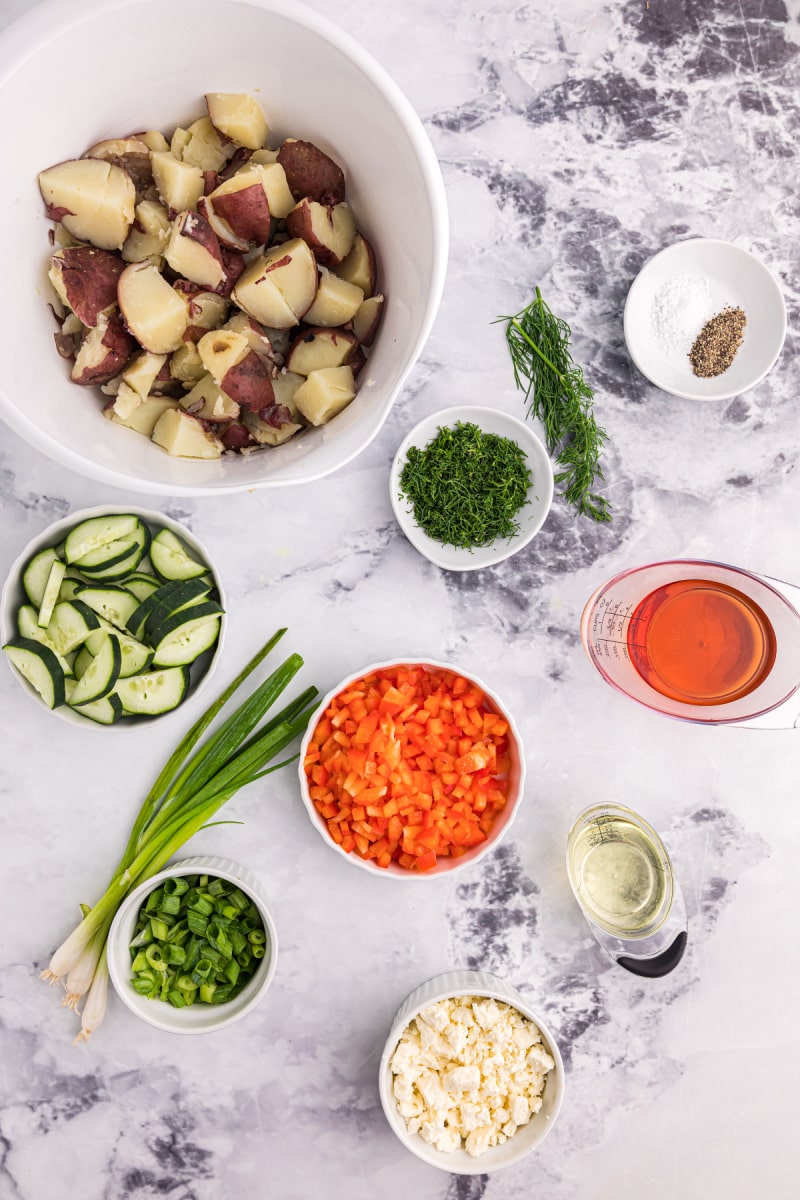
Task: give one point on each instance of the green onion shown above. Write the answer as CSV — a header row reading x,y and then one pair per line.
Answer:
x,y
223,958
189,791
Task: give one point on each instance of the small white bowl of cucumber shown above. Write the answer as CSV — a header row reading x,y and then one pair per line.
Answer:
x,y
112,616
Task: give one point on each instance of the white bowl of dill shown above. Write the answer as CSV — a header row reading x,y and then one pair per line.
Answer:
x,y
470,487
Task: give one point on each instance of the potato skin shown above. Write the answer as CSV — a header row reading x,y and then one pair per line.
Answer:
x,y
118,345
89,278
310,172
248,382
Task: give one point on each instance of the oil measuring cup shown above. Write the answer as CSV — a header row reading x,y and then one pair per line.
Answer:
x,y
622,878
699,641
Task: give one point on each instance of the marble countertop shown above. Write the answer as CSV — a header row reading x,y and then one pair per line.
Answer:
x,y
573,146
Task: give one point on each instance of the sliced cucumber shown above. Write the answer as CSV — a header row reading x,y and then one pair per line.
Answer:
x,y
160,604
114,603
125,560
101,674
191,614
154,692
172,559
83,660
68,588
98,535
141,585
36,574
135,656
40,667
70,625
52,592
187,643
28,627
105,712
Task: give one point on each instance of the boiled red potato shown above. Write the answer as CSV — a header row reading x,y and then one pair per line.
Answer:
x,y
194,252
256,336
92,198
310,172
208,309
336,301
249,383
85,280
179,184
236,436
209,402
130,153
69,337
274,182
360,266
234,264
182,435
325,393
155,314
239,371
104,351
150,233
126,401
201,146
221,349
275,425
280,286
141,417
367,319
142,373
329,229
320,347
239,117
186,365
238,211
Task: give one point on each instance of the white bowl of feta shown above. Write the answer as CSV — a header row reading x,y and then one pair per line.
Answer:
x,y
471,1078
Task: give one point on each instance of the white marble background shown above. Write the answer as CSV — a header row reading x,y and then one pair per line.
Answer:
x,y
575,139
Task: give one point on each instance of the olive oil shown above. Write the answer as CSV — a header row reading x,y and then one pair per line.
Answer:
x,y
619,871
701,642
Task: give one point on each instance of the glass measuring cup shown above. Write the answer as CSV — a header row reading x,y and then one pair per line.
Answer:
x,y
621,875
622,618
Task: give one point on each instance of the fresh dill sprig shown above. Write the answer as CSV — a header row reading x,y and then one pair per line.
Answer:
x,y
559,396
466,486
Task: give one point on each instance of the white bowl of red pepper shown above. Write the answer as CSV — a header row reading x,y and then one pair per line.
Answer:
x,y
411,770
470,487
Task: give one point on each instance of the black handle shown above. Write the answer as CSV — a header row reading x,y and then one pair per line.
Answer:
x,y
662,964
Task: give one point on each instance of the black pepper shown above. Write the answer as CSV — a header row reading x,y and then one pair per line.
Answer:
x,y
716,344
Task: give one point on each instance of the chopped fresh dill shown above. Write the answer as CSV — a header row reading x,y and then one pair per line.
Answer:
x,y
559,396
466,486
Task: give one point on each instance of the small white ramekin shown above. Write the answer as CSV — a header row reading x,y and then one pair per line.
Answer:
x,y
528,1137
445,865
199,1018
13,596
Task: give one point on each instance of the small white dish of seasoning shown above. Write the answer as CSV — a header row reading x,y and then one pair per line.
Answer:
x,y
704,320
471,468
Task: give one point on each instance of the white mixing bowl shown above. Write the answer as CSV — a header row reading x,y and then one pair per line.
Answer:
x,y
73,75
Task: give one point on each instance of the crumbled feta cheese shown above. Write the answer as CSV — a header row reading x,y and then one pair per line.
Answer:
x,y
461,1079
469,1073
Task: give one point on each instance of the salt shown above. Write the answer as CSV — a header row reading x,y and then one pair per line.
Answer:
x,y
681,307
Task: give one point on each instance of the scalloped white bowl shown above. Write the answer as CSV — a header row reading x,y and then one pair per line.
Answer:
x,y
315,82
530,518
198,1018
528,1137
13,596
445,865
